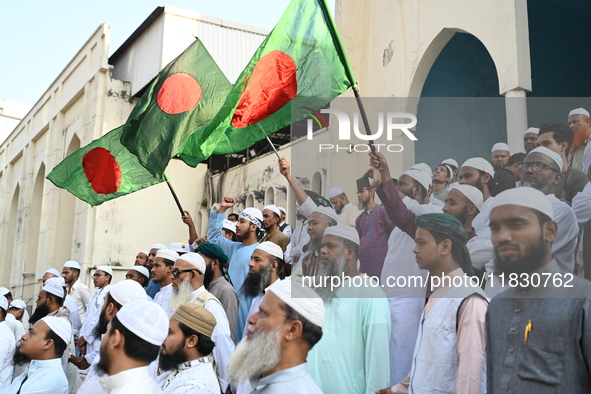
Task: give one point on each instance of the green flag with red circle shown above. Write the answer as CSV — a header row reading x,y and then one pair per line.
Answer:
x,y
302,57
183,98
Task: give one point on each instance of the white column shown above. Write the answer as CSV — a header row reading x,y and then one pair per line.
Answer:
x,y
516,110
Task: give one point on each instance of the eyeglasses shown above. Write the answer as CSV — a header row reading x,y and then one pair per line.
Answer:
x,y
535,166
177,272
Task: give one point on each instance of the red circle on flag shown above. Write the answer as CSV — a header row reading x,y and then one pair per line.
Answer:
x,y
272,84
102,171
179,93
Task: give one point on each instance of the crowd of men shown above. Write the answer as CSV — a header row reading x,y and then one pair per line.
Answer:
x,y
465,279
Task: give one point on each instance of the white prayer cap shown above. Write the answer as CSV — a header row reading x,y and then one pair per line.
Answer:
x,y
53,271
283,210
335,191
550,153
480,164
450,162
167,254
19,304
423,167
62,327
472,194
72,264
534,130
272,248
253,215
3,303
579,111
54,288
420,176
195,260
500,146
141,269
59,280
228,225
179,247
146,319
144,252
127,290
157,246
106,269
4,291
524,196
302,299
326,211
587,159
343,231
274,209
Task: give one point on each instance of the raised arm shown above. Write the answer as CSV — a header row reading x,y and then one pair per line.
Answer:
x,y
188,220
285,169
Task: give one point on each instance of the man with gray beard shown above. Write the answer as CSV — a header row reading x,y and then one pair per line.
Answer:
x,y
541,169
353,355
264,268
272,356
187,286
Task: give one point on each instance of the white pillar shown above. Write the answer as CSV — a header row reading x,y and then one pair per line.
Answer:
x,y
516,110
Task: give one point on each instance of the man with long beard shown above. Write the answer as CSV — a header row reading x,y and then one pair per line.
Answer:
x,y
264,268
537,333
272,356
43,346
132,341
217,281
188,274
353,354
579,122
184,353
119,294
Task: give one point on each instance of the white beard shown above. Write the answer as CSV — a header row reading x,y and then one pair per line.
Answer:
x,y
329,270
181,295
253,357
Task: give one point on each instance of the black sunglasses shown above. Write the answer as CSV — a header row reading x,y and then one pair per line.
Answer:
x,y
177,272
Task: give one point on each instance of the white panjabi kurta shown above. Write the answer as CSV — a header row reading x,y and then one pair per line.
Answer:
x,y
163,297
196,376
135,380
7,348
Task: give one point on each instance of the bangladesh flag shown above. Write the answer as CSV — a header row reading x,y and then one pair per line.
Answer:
x,y
102,170
184,98
301,57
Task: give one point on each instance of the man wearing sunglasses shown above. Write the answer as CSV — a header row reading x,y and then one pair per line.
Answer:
x,y
541,169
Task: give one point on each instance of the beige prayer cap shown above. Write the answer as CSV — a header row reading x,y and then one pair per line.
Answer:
x,y
195,317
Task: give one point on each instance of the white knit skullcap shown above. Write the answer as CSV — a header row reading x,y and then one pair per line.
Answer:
x,y
420,176
228,225
335,191
471,193
59,280
579,111
62,327
3,303
141,269
19,304
72,264
195,260
451,162
533,130
326,211
274,209
167,254
302,299
253,215
157,246
525,197
145,319
106,269
480,164
283,210
127,290
53,271
179,247
272,248
550,153
4,291
500,146
343,231
423,167
54,288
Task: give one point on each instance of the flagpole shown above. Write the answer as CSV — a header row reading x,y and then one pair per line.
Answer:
x,y
343,55
176,199
273,146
